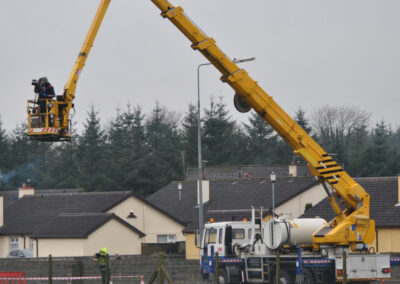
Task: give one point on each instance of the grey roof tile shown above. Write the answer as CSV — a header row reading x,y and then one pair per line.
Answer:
x,y
383,193
40,212
226,195
77,225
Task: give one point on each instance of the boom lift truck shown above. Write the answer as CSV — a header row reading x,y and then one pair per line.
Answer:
x,y
351,229
55,123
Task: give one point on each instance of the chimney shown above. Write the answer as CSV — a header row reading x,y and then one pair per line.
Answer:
x,y
25,190
179,191
206,191
1,210
292,169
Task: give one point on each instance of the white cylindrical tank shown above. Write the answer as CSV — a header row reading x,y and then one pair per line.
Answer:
x,y
297,232
276,233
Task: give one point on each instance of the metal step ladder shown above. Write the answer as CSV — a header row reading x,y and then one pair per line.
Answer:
x,y
257,270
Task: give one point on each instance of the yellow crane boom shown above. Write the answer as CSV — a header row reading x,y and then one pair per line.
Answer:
x,y
351,225
54,124
70,86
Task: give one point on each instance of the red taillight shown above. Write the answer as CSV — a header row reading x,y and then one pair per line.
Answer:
x,y
386,270
339,271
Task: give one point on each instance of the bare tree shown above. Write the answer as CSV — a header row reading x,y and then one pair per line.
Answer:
x,y
338,122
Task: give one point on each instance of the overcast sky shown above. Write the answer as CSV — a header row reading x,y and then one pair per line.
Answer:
x,y
308,53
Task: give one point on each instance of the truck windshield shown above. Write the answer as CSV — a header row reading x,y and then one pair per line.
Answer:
x,y
211,236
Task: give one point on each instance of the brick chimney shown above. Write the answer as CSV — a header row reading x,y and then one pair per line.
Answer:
x,y
293,169
206,191
25,190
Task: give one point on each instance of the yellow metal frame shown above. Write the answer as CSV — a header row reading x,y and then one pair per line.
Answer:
x,y
350,226
61,108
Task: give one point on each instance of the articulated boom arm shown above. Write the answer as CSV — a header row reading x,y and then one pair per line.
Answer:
x,y
350,226
70,86
48,118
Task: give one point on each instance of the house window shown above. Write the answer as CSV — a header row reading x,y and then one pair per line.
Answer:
x,y
165,239
31,244
13,243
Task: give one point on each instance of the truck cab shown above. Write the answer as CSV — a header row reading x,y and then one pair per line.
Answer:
x,y
226,237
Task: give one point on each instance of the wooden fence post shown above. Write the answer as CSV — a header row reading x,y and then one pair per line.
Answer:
x,y
216,268
278,266
50,264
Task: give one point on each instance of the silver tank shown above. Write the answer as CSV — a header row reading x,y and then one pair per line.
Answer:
x,y
297,232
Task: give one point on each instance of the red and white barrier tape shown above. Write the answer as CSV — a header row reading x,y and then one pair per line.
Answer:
x,y
73,277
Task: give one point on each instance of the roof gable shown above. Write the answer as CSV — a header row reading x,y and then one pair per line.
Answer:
x,y
78,225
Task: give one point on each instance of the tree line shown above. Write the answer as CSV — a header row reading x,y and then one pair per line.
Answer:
x,y
143,152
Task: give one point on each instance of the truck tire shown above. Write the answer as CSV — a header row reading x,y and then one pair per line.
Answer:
x,y
284,277
223,277
204,276
308,277
236,250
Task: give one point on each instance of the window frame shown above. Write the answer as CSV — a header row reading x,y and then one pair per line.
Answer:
x,y
169,239
238,230
14,243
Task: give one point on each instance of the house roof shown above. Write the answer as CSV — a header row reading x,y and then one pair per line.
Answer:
x,y
383,193
78,225
39,212
226,195
237,172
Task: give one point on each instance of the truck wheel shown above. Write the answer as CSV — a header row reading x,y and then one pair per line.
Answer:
x,y
308,277
223,277
236,250
284,277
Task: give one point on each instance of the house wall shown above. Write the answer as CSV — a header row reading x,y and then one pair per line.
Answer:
x,y
5,245
192,252
294,207
61,247
115,237
149,220
388,239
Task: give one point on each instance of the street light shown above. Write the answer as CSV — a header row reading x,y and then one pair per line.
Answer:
x,y
201,214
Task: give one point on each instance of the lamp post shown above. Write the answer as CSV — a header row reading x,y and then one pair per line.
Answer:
x,y
200,180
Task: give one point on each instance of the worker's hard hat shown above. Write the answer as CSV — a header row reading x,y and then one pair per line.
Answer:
x,y
104,250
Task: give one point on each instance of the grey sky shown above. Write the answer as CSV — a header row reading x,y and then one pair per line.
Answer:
x,y
309,53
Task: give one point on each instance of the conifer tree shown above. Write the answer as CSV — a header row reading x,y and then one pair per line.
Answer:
x,y
126,147
261,141
162,160
92,159
380,158
190,136
300,117
218,134
4,149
